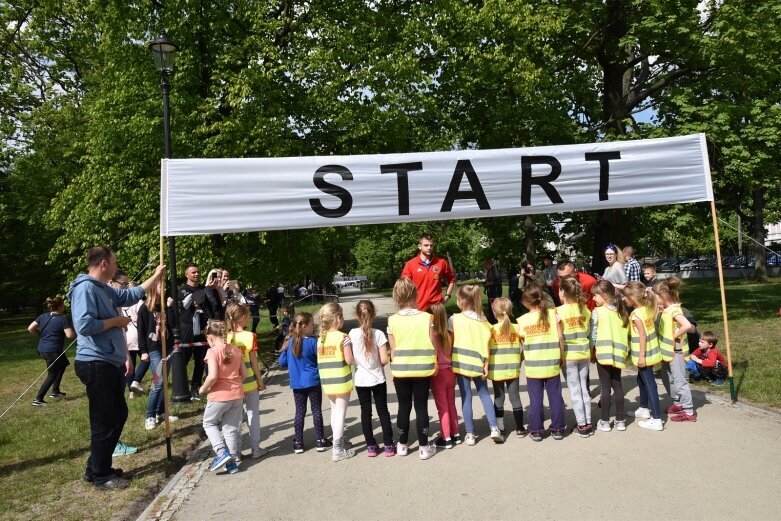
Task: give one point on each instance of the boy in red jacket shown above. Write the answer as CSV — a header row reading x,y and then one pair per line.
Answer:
x,y
711,364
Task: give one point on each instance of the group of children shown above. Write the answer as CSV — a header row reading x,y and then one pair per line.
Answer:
x,y
434,352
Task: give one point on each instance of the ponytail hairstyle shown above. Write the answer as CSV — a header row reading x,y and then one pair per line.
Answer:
x,y
405,294
503,310
296,332
470,298
329,314
636,292
607,291
668,289
235,314
216,328
439,325
534,296
365,313
55,303
573,291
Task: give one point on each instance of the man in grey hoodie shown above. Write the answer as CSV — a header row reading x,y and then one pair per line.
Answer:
x,y
102,359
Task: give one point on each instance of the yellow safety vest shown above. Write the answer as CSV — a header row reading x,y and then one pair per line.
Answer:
x,y
575,323
612,338
504,354
541,350
470,345
666,331
336,375
244,341
653,355
415,355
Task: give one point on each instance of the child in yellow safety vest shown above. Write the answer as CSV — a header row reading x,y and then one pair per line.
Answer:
x,y
237,319
543,353
644,348
504,364
413,363
576,323
334,359
471,336
674,344
610,338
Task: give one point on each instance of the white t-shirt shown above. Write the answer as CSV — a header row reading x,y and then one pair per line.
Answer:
x,y
368,369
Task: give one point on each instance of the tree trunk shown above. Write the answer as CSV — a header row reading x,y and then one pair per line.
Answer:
x,y
760,261
528,239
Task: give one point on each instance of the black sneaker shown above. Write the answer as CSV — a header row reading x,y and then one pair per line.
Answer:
x,y
194,395
521,433
446,443
39,403
89,478
298,447
536,436
323,445
456,438
57,395
557,435
115,483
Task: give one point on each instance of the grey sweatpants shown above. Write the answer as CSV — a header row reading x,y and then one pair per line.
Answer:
x,y
577,382
252,408
674,379
221,421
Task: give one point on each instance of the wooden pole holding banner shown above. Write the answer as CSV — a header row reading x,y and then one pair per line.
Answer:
x,y
164,345
732,393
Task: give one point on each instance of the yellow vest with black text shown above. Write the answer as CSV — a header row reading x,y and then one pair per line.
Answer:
x,y
470,345
612,345
504,354
541,350
653,354
575,323
336,375
244,341
666,332
414,355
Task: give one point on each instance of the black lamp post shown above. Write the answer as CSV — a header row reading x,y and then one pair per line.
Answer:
x,y
164,52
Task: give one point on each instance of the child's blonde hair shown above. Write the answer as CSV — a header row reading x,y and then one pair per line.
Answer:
x,y
439,324
470,298
573,291
296,331
503,310
669,289
534,296
405,294
607,291
234,314
329,314
365,313
636,292
216,328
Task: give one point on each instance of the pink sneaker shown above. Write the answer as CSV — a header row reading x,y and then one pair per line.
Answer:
x,y
390,450
373,451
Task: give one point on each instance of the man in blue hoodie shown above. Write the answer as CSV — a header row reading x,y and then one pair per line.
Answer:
x,y
102,359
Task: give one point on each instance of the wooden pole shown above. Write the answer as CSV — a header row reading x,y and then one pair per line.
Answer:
x,y
732,392
164,345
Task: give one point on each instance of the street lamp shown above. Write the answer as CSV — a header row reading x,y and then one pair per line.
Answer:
x,y
164,52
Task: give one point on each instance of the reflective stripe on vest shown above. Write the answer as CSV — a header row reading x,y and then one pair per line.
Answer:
x,y
666,332
575,323
336,375
470,345
612,345
653,354
244,341
414,355
504,354
541,350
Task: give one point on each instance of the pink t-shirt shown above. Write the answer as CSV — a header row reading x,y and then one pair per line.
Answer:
x,y
443,359
228,386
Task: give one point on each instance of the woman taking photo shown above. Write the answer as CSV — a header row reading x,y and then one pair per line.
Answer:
x,y
52,328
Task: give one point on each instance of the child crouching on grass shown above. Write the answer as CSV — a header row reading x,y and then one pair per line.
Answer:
x,y
224,394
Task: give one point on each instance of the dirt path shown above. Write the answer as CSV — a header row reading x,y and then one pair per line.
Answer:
x,y
725,466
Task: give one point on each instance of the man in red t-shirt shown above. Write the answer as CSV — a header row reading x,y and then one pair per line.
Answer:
x,y
427,272
567,268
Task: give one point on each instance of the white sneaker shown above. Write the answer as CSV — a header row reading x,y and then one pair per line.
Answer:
x,y
150,424
259,453
604,425
470,439
620,425
428,451
161,418
137,387
500,423
497,435
402,449
652,424
643,413
342,454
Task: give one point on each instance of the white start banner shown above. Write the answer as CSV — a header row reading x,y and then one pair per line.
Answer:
x,y
207,196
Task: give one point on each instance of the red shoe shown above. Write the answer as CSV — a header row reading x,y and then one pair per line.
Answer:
x,y
674,409
683,417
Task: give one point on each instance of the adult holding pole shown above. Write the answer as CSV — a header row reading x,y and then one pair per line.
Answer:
x,y
102,359
427,272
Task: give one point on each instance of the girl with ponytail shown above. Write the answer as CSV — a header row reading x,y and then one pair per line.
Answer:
x,y
504,364
443,383
52,328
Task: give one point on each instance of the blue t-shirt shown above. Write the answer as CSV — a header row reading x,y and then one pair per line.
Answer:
x,y
303,371
52,329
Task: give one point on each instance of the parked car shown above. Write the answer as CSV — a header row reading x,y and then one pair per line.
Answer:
x,y
689,264
664,265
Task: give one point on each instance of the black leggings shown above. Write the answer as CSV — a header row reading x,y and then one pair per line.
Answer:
x,y
514,393
610,378
54,373
315,396
407,391
380,392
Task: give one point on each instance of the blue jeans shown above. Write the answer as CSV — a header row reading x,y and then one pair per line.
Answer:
x,y
155,404
648,391
465,388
